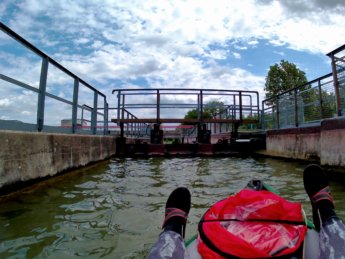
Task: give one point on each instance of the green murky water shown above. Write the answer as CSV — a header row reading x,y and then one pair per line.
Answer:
x,y
115,209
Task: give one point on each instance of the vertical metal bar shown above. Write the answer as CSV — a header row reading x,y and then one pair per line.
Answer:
x,y
263,117
198,107
132,126
135,130
277,105
82,116
123,106
220,117
336,85
251,111
42,93
258,104
127,125
240,100
320,99
75,106
296,108
226,117
200,117
201,108
106,117
118,107
94,114
234,107
121,131
158,106
214,125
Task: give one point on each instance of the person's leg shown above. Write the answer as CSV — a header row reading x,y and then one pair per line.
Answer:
x,y
317,188
170,243
332,229
332,239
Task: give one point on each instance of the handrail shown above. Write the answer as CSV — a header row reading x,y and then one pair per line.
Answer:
x,y
42,93
239,107
298,87
40,53
311,102
182,89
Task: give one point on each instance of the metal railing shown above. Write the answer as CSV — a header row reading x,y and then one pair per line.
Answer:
x,y
78,117
170,105
338,67
310,103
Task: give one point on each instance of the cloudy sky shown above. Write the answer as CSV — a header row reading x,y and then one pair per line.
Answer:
x,y
220,44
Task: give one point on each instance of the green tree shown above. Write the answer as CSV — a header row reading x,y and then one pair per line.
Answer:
x,y
214,107
210,109
252,125
313,110
282,77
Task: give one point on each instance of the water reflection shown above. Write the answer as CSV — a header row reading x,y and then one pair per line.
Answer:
x,y
115,209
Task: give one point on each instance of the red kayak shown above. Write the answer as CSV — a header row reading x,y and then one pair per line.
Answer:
x,y
254,223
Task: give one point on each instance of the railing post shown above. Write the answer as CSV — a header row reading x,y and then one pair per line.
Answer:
x,y
75,106
277,107
42,93
158,106
123,107
320,100
198,107
94,114
82,115
132,124
258,104
201,107
106,117
121,131
296,107
200,117
263,117
240,103
336,85
226,117
127,125
234,107
118,107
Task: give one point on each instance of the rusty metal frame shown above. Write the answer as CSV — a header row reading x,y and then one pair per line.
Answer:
x,y
200,93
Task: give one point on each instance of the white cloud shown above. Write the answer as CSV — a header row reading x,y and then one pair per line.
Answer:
x,y
167,43
157,22
253,42
5,102
280,53
237,55
218,54
82,41
26,113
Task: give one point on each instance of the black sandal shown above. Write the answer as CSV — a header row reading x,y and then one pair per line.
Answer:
x,y
176,210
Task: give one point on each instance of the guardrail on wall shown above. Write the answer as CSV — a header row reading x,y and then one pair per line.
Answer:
x,y
56,101
308,104
170,105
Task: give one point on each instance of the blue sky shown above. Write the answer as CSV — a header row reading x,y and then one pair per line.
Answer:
x,y
186,44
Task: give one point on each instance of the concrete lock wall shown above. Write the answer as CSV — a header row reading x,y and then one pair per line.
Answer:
x,y
25,156
325,143
332,142
299,143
